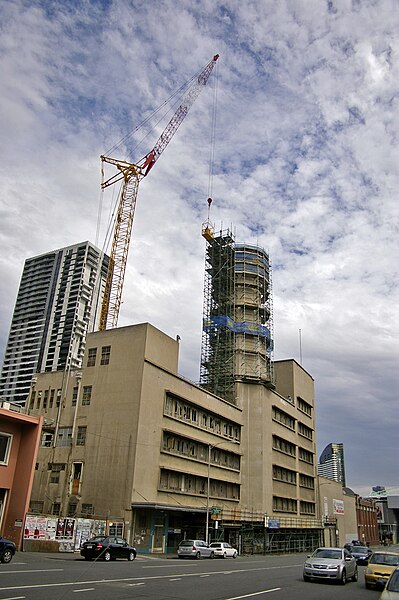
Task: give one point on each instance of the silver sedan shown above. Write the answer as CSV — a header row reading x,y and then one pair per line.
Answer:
x,y
330,563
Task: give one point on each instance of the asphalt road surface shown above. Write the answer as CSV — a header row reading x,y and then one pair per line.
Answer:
x,y
35,576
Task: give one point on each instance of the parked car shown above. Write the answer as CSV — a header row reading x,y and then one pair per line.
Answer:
x,y
7,550
195,549
361,553
107,548
379,568
223,550
391,591
330,563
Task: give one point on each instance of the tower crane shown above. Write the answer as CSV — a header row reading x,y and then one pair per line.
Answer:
x,y
130,174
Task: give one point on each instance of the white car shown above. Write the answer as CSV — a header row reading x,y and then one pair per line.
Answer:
x,y
223,550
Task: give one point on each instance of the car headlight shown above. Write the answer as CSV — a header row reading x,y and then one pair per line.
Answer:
x,y
308,565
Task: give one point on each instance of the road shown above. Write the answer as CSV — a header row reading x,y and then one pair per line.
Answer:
x,y
35,576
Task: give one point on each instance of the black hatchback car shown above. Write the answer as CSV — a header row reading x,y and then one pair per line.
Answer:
x,y
7,550
107,548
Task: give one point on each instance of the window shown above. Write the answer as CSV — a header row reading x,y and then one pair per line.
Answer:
x,y
45,399
307,508
47,439
105,355
52,394
75,395
32,400
306,456
56,469
81,436
304,406
56,510
87,510
286,475
36,507
306,481
305,431
283,418
64,436
284,504
91,357
86,397
72,506
5,446
283,446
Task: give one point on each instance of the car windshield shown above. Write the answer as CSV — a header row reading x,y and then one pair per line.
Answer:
x,y
216,545
359,549
391,560
187,543
393,584
327,553
98,538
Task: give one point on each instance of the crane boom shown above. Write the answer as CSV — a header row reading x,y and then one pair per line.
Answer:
x,y
132,174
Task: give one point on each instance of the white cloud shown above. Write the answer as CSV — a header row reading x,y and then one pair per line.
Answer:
x,y
306,165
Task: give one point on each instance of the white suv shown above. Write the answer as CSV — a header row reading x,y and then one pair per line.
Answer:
x,y
223,549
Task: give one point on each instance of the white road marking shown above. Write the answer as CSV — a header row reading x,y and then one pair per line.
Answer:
x,y
134,584
150,578
254,594
31,571
175,579
83,590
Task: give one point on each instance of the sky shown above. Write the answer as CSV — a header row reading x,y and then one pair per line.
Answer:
x,y
302,159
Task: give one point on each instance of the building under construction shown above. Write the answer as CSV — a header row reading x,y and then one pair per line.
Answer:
x,y
237,341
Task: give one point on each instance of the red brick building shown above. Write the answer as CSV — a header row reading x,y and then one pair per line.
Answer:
x,y
367,525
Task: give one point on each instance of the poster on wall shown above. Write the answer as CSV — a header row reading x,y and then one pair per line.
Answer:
x,y
380,512
65,529
35,528
338,507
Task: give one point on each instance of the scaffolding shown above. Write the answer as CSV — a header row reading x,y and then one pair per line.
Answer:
x,y
253,315
217,352
237,336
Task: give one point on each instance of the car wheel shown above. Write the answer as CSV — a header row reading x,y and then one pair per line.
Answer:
x,y
306,578
107,555
212,555
6,556
198,555
355,575
235,555
343,578
131,556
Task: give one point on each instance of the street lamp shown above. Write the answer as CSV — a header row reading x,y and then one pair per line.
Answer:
x,y
210,446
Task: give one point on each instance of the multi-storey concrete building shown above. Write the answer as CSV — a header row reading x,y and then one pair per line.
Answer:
x,y
129,441
56,306
19,441
332,464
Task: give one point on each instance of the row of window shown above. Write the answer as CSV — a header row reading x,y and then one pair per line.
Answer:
x,y
181,409
291,506
176,444
304,406
287,447
289,476
64,437
173,481
288,421
37,507
5,447
92,356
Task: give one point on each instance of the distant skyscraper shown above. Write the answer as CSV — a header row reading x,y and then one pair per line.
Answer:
x,y
57,305
331,463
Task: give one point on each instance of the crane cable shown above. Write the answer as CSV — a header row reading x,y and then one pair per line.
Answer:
x,y
213,136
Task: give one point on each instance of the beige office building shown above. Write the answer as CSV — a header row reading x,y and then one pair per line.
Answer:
x,y
127,440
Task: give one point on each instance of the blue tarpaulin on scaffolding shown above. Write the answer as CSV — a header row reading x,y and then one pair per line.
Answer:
x,y
237,326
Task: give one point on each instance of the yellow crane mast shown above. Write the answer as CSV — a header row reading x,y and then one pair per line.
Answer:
x,y
131,174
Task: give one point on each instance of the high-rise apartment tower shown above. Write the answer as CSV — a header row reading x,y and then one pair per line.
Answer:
x,y
237,328
56,306
331,463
